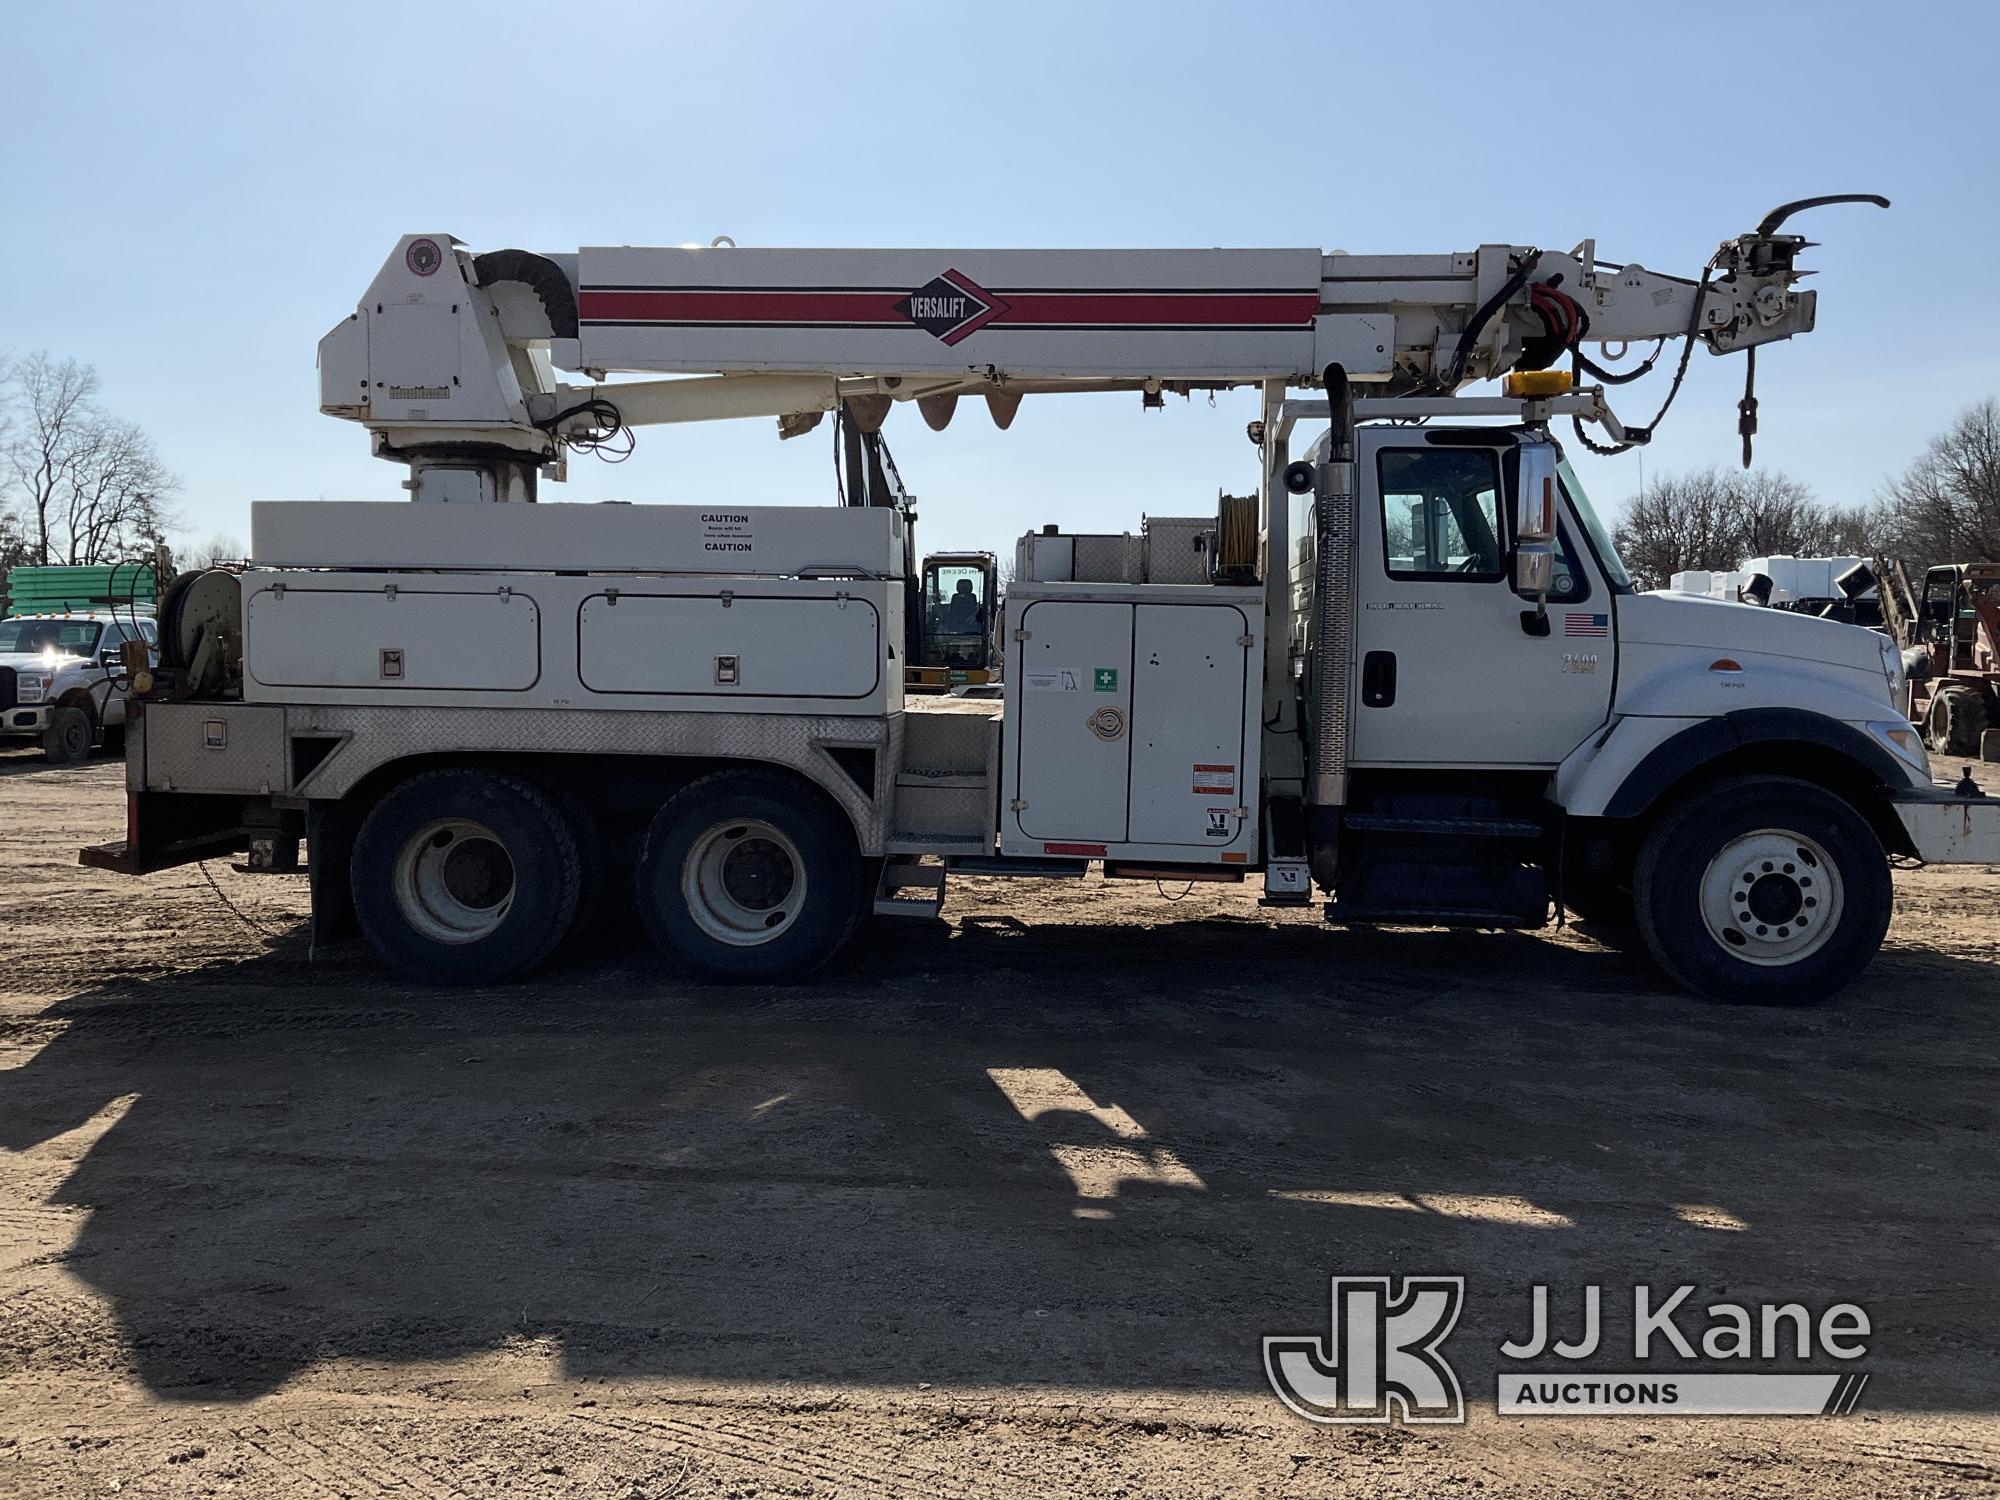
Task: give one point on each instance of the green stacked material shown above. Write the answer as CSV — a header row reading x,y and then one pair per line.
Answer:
x,y
63,590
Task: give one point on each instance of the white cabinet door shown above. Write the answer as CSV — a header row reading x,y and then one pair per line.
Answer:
x,y
393,638
1189,674
1073,680
713,645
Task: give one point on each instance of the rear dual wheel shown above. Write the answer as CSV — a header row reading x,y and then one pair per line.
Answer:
x,y
749,875
465,877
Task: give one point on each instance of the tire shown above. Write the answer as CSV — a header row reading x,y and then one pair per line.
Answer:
x,y
437,902
1956,719
748,875
66,742
1763,890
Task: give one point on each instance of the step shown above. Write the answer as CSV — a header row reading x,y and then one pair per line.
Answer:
x,y
903,875
1475,828
1442,916
915,776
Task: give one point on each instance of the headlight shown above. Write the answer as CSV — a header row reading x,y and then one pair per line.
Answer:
x,y
1906,743
31,685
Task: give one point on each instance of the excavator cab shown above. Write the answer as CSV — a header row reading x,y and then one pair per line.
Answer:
x,y
956,623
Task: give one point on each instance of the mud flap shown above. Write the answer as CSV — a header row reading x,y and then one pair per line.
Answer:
x,y
330,844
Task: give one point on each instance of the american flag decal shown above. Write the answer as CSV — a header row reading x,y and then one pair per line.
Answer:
x,y
1592,625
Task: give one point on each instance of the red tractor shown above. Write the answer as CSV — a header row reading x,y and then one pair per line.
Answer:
x,y
1954,630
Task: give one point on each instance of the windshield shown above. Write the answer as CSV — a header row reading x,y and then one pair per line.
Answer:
x,y
955,598
1600,539
34,637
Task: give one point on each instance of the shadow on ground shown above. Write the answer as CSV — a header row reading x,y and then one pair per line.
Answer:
x,y
1002,1152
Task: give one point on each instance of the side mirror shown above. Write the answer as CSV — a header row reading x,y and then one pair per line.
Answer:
x,y
1535,500
1534,533
1534,569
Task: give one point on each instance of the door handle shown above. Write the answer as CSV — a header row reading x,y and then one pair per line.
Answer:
x,y
1378,679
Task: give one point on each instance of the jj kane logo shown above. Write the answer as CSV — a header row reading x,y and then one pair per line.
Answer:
x,y
1382,1358
1381,1354
951,307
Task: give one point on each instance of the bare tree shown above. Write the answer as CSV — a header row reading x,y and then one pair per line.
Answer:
x,y
1715,518
219,548
13,545
87,487
111,505
1946,506
1681,521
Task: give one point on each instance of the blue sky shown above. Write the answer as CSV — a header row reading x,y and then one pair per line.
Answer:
x,y
197,192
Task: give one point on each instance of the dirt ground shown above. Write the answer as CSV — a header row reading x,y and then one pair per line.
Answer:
x,y
1000,1205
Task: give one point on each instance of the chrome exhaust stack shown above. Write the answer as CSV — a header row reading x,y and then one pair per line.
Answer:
x,y
1335,516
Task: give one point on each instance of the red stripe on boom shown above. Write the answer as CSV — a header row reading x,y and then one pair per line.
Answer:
x,y
1057,309
1181,309
748,306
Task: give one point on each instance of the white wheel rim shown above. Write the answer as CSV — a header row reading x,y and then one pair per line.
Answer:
x,y
744,882
454,881
1771,898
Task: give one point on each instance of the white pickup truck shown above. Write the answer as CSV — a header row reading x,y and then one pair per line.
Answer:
x,y
62,680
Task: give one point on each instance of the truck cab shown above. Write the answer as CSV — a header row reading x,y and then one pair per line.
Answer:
x,y
1520,739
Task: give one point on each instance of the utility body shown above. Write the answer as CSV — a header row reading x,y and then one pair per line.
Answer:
x,y
1409,676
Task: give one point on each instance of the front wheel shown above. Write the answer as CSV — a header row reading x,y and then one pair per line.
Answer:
x,y
1763,889
66,742
747,875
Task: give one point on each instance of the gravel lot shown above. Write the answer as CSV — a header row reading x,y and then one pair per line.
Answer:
x,y
999,1205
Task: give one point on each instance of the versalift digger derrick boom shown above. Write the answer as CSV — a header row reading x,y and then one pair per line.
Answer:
x,y
452,358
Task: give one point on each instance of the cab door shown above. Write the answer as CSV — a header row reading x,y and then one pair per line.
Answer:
x,y
1445,673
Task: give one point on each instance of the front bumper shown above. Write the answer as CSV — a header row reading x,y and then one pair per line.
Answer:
x,y
27,719
1949,830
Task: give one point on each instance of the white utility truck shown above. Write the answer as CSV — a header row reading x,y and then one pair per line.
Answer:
x,y
63,679
1411,674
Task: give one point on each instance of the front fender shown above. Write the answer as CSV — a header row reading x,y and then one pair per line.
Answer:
x,y
1675,682
1626,770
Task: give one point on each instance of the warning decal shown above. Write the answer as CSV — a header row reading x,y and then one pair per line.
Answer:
x,y
1055,679
1214,781
727,531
